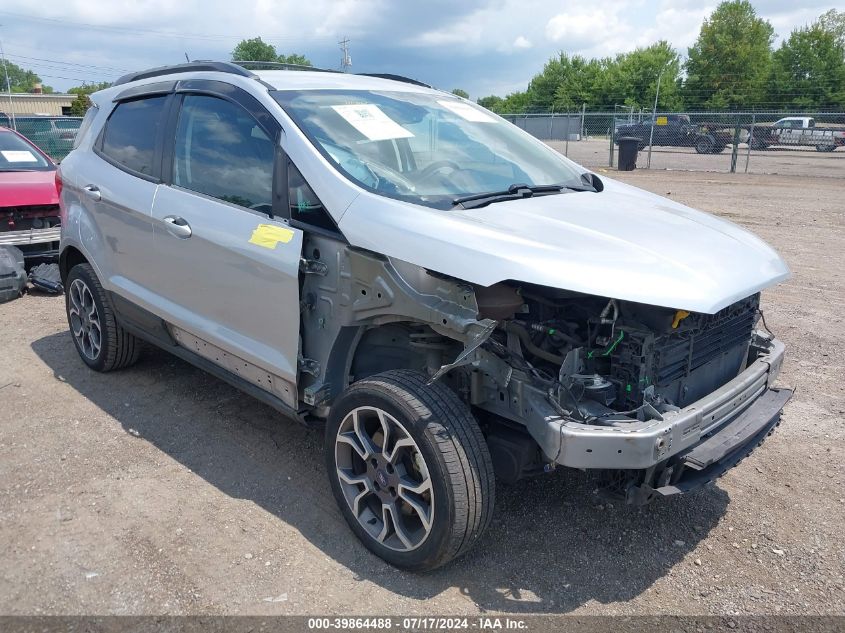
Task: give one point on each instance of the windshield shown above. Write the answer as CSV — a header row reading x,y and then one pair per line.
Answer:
x,y
18,155
425,148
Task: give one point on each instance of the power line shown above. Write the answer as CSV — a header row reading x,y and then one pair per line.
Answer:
x,y
56,61
154,33
38,66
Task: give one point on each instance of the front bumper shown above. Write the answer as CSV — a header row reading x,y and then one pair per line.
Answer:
x,y
642,445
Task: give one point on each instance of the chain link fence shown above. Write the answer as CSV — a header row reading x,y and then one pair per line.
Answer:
x,y
806,144
54,135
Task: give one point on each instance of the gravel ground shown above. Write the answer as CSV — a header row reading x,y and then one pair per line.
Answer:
x,y
160,489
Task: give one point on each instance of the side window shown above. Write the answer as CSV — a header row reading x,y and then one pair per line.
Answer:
x,y
305,206
222,152
87,120
130,133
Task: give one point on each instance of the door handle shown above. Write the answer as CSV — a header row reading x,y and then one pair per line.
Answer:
x,y
177,226
93,192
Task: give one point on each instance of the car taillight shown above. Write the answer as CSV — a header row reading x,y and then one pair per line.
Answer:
x,y
62,213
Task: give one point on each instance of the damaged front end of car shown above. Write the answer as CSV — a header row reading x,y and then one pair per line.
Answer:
x,y
655,400
659,400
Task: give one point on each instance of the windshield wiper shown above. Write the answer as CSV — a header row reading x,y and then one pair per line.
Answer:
x,y
514,192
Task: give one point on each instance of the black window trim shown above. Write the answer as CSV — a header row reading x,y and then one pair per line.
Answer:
x,y
146,90
154,177
305,226
237,95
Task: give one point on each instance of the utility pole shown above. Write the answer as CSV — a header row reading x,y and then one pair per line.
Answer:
x,y
8,86
653,115
345,59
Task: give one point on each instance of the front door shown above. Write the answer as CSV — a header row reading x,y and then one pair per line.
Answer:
x,y
228,273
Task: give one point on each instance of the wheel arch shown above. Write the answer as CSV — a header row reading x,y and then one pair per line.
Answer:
x,y
70,257
365,350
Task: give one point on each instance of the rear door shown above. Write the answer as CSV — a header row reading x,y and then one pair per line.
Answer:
x,y
227,270
117,183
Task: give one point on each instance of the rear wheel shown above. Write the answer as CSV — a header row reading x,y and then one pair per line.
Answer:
x,y
704,145
102,344
410,469
756,144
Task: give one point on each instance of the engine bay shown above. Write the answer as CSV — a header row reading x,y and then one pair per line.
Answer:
x,y
610,362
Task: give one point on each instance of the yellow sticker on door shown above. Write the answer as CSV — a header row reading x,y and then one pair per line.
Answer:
x,y
268,235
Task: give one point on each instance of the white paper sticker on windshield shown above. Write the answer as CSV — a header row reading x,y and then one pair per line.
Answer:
x,y
466,111
19,156
370,121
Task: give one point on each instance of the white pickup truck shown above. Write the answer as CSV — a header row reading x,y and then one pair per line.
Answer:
x,y
800,130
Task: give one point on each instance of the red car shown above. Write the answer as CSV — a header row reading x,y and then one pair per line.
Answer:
x,y
29,201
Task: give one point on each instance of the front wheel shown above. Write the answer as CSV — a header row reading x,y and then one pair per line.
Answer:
x,y
410,469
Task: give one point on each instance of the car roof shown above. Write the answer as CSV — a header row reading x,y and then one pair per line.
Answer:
x,y
308,80
279,77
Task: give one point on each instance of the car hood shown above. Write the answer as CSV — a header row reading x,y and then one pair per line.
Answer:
x,y
623,243
27,188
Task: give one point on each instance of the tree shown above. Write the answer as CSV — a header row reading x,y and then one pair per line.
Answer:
x,y
254,50
80,105
491,103
87,89
294,58
460,93
21,80
578,80
808,70
631,79
257,50
514,103
729,63
834,21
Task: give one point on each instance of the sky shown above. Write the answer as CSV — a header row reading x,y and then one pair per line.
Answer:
x,y
482,46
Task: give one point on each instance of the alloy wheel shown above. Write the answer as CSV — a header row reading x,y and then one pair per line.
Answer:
x,y
384,478
85,319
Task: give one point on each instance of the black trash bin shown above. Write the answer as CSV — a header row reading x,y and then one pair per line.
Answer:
x,y
627,153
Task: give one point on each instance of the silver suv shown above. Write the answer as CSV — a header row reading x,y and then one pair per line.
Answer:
x,y
452,300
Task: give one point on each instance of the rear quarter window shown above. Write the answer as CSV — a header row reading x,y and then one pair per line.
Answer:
x,y
87,121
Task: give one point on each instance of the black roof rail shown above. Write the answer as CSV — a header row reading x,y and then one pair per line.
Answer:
x,y
195,66
259,65
392,77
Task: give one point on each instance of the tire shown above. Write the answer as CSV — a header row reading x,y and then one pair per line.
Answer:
x,y
449,465
704,145
825,148
102,344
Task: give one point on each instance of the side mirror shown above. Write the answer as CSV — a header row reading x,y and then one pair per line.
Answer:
x,y
592,180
